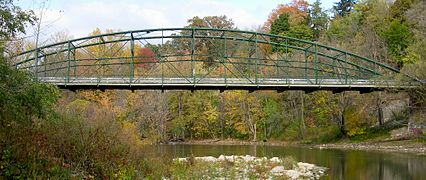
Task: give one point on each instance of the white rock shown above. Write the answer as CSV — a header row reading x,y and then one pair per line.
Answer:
x,y
305,167
249,158
308,174
276,160
278,170
221,158
206,158
293,174
230,158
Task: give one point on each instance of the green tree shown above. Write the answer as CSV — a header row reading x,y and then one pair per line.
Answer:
x,y
318,19
398,37
13,19
344,7
278,27
301,31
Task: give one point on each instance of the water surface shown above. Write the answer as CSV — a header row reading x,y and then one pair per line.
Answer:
x,y
342,164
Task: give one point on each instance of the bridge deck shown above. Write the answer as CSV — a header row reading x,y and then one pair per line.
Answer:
x,y
190,83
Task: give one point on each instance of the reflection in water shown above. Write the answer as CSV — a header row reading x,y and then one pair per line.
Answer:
x,y
342,164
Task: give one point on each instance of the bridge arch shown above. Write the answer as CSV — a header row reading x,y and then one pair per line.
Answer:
x,y
201,58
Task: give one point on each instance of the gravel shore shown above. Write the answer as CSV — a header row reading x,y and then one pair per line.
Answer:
x,y
403,146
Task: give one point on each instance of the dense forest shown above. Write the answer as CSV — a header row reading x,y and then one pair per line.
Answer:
x,y
45,131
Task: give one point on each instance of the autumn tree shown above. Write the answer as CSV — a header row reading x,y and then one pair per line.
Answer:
x,y
293,22
399,8
416,51
146,58
104,55
210,47
297,10
244,111
361,31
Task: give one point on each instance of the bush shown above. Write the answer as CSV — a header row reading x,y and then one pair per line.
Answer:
x,y
80,139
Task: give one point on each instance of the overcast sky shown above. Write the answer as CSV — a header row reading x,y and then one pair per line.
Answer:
x,y
80,17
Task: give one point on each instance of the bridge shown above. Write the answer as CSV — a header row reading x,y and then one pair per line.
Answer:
x,y
203,58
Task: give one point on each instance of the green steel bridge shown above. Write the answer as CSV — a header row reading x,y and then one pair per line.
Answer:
x,y
203,58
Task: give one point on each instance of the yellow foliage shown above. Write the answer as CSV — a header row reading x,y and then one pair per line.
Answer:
x,y
356,122
130,134
77,107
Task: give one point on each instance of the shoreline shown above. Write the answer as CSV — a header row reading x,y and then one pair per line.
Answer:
x,y
400,146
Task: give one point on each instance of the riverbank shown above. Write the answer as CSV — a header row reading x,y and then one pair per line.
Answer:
x,y
402,146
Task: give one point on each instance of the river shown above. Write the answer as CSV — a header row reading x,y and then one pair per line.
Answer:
x,y
342,164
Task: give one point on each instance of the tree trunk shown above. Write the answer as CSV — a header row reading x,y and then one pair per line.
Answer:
x,y
180,114
302,132
255,132
379,109
342,123
222,119
343,105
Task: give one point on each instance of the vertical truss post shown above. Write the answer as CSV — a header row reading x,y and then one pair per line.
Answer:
x,y
376,69
132,60
288,63
336,72
256,71
306,65
75,62
279,57
45,64
192,55
346,72
69,61
36,62
162,59
316,64
225,57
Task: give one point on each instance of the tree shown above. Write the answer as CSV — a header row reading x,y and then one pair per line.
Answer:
x,y
297,10
344,7
216,22
146,58
209,51
399,7
318,19
362,31
415,17
398,37
416,51
281,25
13,19
245,113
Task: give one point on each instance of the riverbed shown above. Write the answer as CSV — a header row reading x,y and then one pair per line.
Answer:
x,y
341,164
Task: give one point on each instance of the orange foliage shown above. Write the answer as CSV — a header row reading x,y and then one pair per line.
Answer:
x,y
297,9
